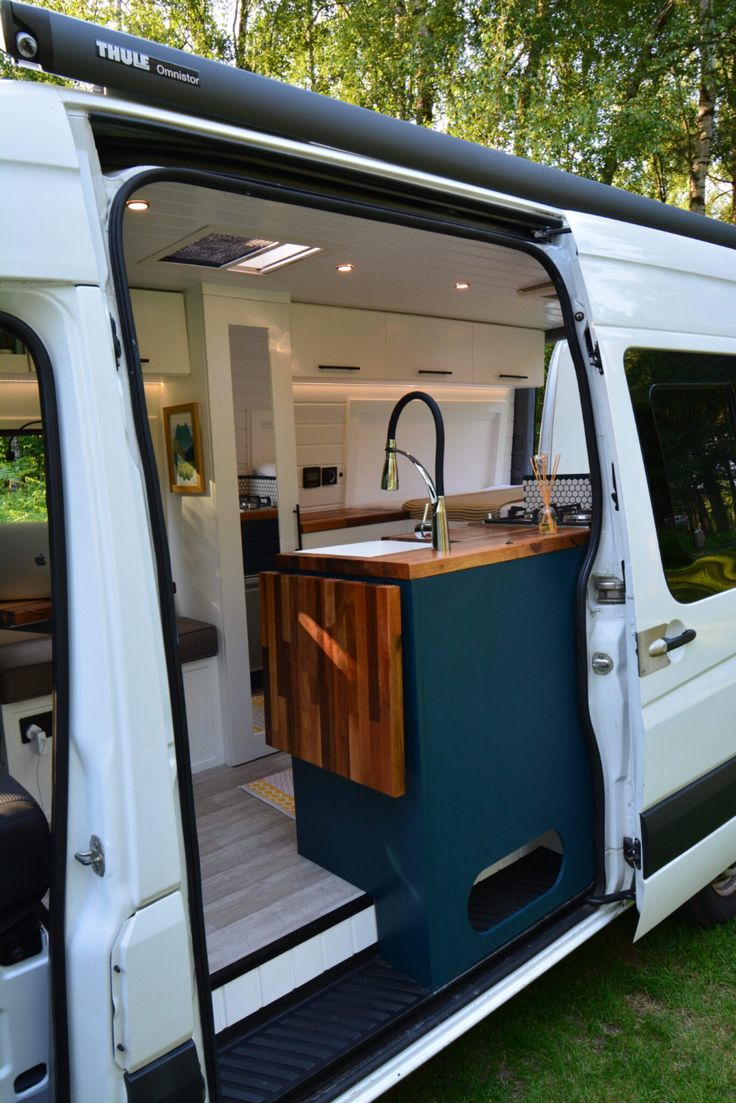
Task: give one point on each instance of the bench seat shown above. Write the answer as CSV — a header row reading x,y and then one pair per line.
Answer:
x,y
25,658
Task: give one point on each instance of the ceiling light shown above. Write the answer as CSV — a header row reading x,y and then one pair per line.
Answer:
x,y
346,267
274,256
137,205
462,285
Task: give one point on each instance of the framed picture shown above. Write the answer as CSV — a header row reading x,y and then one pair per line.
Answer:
x,y
184,448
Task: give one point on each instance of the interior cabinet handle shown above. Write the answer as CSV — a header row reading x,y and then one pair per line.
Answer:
x,y
433,371
671,643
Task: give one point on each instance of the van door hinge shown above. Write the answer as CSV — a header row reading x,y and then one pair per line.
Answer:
x,y
632,852
594,353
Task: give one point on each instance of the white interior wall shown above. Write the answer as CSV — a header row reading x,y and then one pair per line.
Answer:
x,y
252,403
345,425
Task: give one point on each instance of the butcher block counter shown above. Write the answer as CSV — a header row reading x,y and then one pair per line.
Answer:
x,y
430,705
471,546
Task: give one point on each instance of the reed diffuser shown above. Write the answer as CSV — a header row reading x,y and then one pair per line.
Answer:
x,y
547,516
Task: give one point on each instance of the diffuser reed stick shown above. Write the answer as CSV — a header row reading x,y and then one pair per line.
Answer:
x,y
547,519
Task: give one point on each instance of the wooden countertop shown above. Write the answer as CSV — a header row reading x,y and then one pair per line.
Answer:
x,y
325,519
14,614
258,514
472,546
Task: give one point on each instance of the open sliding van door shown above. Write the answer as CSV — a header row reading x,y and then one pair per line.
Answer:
x,y
661,314
127,994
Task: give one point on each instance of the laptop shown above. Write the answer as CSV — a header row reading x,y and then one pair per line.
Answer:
x,y
24,561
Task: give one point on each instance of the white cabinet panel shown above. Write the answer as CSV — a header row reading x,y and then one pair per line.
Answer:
x,y
508,356
161,326
429,350
15,363
332,342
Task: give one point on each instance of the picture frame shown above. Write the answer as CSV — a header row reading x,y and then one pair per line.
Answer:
x,y
184,455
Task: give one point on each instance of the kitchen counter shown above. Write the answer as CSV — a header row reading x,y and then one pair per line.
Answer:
x,y
325,519
472,546
430,705
258,514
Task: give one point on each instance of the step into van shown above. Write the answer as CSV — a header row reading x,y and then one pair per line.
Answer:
x,y
297,864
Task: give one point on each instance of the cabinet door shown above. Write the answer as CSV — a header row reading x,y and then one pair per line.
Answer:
x,y
161,326
332,342
14,363
508,356
429,349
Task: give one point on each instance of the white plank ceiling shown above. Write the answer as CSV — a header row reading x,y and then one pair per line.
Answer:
x,y
396,268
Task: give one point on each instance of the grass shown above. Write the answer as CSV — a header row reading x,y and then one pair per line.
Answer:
x,y
653,1022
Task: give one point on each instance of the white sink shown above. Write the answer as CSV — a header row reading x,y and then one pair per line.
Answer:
x,y
367,549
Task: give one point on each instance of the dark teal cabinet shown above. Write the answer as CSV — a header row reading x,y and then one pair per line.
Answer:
x,y
496,759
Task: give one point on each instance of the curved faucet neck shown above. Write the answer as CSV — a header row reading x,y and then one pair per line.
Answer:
x,y
439,428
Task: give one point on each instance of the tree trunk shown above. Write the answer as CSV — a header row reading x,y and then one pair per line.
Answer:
x,y
240,32
706,107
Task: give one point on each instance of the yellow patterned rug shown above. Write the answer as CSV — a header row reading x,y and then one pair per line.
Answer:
x,y
259,715
276,790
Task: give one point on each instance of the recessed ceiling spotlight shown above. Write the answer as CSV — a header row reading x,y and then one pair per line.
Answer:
x,y
346,267
462,285
137,205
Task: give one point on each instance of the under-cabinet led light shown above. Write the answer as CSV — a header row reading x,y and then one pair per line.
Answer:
x,y
346,268
137,205
462,285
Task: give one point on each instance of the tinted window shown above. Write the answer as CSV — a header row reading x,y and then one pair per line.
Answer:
x,y
685,410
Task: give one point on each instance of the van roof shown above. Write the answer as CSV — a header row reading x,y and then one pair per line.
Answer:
x,y
161,76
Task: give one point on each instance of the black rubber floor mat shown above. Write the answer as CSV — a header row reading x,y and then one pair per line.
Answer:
x,y
503,893
277,1057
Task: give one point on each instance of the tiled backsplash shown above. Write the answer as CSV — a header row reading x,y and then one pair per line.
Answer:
x,y
262,485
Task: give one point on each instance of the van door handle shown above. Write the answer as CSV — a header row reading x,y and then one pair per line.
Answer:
x,y
670,643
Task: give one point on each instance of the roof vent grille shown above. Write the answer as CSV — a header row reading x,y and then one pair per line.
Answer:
x,y
216,250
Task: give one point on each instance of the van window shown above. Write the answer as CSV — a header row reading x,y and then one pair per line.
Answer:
x,y
685,410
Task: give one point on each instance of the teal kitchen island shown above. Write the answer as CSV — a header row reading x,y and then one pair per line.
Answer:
x,y
440,764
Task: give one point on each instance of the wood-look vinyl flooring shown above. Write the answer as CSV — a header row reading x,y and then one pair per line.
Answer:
x,y
256,887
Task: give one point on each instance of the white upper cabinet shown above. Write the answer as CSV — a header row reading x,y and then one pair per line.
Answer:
x,y
430,350
161,326
15,363
335,343
508,356
331,342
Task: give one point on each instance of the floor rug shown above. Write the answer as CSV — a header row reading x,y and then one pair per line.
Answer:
x,y
276,790
259,717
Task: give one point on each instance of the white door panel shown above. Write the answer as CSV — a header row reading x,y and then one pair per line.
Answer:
x,y
681,715
669,886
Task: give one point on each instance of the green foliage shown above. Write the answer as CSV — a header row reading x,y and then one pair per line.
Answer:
x,y
23,481
618,93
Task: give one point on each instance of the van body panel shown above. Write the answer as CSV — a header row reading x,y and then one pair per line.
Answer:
x,y
42,239
659,895
641,278
680,716
122,771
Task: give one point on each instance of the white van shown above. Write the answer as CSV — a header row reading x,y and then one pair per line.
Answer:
x,y
217,292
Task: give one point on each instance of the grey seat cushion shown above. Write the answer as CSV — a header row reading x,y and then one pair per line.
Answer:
x,y
25,666
24,851
25,658
197,639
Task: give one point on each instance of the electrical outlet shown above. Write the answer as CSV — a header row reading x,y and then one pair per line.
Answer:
x,y
329,476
